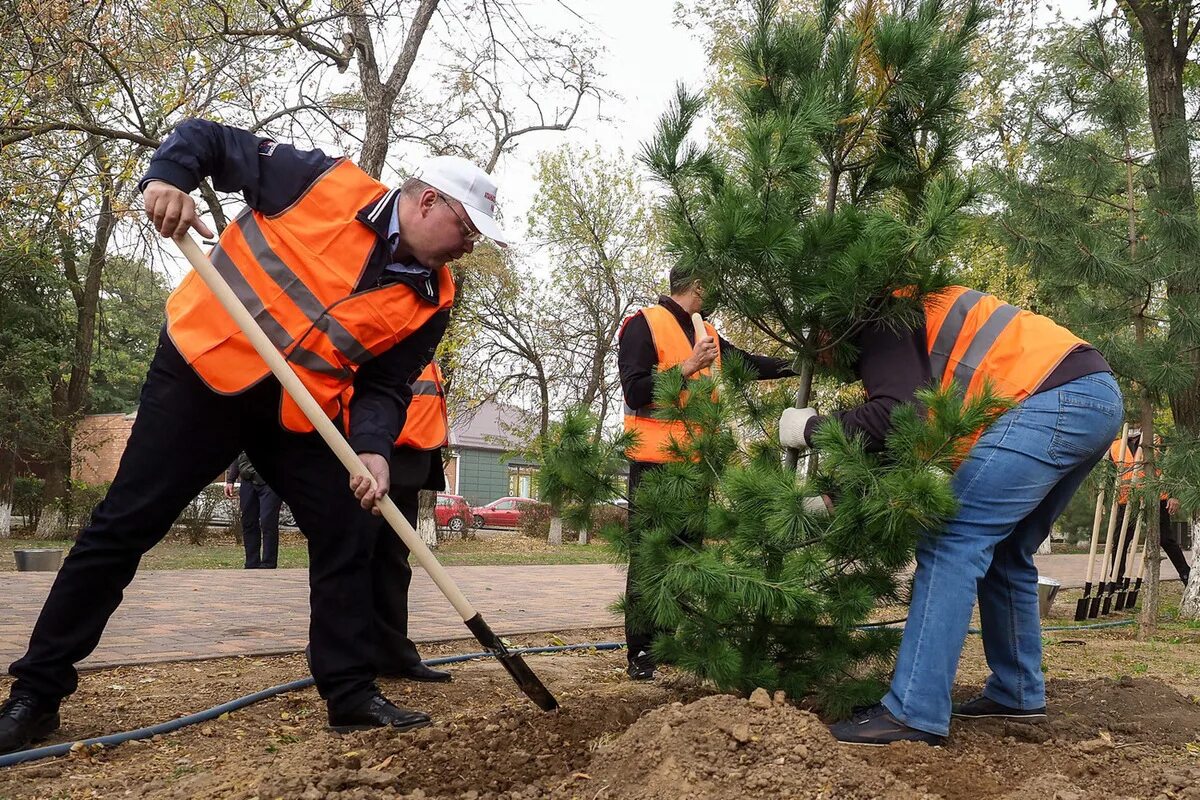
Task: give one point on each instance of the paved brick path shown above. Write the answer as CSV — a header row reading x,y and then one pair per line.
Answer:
x,y
170,615
173,615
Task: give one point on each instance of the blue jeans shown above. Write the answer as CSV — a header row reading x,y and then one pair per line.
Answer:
x,y
1015,482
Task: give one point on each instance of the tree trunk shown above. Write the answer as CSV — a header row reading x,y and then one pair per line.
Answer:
x,y
555,529
426,521
1189,606
8,468
1152,554
1165,62
1044,548
584,535
69,400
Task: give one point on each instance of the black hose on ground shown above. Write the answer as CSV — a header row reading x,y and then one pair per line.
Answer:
x,y
114,739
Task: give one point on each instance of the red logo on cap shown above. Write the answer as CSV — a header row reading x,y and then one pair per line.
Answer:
x,y
490,196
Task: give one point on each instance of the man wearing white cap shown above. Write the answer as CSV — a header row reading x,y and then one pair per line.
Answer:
x,y
348,278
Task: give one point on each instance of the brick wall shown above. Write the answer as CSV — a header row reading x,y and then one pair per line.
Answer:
x,y
97,446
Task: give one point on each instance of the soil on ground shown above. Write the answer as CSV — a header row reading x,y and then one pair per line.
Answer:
x,y
1111,735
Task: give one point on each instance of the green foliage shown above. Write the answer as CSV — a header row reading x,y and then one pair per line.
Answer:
x,y
754,589
131,315
535,520
78,502
579,470
840,186
27,500
34,342
1083,213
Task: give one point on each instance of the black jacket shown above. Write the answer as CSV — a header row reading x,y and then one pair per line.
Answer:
x,y
271,176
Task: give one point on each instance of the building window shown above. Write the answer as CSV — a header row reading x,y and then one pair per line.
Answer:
x,y
520,481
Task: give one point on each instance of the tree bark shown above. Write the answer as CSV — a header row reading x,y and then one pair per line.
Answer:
x,y
1189,606
426,520
556,528
8,469
584,535
1152,554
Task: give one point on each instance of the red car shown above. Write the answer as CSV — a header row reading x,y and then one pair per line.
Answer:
x,y
502,513
452,512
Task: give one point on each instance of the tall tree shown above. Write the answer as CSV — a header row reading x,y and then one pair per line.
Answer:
x,y
1082,213
606,256
1167,30
838,204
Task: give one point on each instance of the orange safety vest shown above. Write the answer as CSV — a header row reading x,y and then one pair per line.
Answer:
x,y
427,426
1129,469
296,273
975,339
671,342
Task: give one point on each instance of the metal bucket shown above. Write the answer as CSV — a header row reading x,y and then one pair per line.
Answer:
x,y
41,560
1047,591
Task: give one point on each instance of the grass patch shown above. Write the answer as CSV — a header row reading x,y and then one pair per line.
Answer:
x,y
497,549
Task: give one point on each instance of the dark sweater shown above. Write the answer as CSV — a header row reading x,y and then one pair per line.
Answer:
x,y
637,358
893,365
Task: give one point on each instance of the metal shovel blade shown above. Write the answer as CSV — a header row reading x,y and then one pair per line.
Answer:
x,y
514,664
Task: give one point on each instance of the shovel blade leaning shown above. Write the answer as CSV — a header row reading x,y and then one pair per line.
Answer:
x,y
528,682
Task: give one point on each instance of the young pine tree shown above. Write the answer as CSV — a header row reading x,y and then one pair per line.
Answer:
x,y
836,206
579,470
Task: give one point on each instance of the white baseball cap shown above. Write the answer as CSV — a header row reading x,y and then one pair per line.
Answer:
x,y
461,180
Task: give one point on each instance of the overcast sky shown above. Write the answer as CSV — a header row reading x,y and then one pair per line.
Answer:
x,y
645,54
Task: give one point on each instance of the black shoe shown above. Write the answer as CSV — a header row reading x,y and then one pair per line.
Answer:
x,y
641,666
24,720
876,726
377,712
982,708
417,672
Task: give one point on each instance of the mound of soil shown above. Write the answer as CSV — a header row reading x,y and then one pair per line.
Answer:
x,y
612,740
724,747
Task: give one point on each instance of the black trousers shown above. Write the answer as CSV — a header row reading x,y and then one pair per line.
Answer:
x,y
638,633
1165,540
412,471
185,434
260,524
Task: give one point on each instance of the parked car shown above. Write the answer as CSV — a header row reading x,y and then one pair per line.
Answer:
x,y
453,512
502,513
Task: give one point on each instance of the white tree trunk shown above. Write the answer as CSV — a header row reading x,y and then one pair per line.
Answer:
x,y
5,519
51,523
426,521
583,535
555,529
1189,607
1044,547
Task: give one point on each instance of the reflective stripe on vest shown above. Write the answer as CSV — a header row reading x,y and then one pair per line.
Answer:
x,y
296,274
673,347
426,427
974,338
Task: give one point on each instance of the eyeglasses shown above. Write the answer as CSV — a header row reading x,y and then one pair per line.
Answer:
x,y
468,231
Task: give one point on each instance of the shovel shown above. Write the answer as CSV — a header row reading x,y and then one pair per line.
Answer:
x,y
1082,605
513,663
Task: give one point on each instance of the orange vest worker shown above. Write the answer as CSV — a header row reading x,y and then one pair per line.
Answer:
x,y
281,269
973,337
655,435
427,426
1129,469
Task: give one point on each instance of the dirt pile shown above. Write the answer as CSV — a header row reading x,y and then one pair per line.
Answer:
x,y
724,746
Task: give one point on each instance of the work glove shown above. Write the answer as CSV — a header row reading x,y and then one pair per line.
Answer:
x,y
791,427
